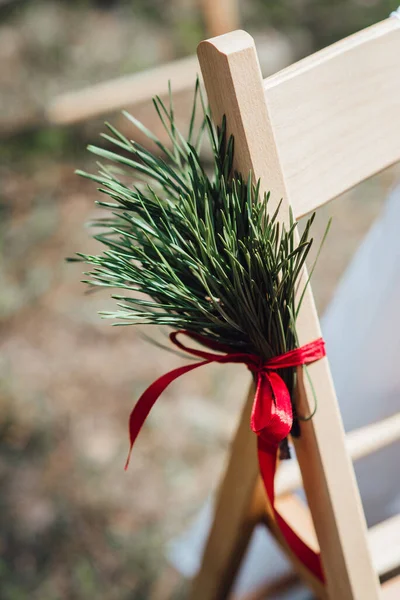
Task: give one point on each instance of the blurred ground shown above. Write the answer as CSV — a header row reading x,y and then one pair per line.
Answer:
x,y
73,525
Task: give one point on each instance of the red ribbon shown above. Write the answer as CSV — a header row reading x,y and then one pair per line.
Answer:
x,y
271,415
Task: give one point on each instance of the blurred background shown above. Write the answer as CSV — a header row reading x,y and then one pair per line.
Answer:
x,y
73,525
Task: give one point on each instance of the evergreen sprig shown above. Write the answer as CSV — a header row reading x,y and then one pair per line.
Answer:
x,y
193,250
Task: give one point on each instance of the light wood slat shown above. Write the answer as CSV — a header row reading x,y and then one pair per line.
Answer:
x,y
126,92
384,542
122,92
241,503
371,438
336,115
275,589
220,16
383,538
391,589
360,442
296,512
235,516
234,86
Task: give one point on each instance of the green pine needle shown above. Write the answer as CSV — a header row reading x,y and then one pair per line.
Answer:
x,y
194,251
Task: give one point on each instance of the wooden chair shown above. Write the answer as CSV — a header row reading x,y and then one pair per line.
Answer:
x,y
132,90
310,132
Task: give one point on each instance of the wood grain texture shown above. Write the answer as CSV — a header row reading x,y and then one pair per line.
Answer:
x,y
220,16
122,92
274,589
384,542
236,515
383,538
391,589
234,86
359,443
336,115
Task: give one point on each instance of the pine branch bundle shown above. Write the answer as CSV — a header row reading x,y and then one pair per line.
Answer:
x,y
193,251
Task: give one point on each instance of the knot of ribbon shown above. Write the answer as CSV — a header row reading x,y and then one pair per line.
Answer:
x,y
271,415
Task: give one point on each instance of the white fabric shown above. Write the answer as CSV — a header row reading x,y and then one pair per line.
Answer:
x,y
396,13
362,332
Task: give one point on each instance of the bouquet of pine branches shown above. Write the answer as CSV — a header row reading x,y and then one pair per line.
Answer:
x,y
198,250
192,248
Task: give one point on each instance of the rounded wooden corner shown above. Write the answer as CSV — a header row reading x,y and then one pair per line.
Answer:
x,y
228,43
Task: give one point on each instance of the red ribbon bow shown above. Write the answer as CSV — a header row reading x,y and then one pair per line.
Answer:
x,y
271,416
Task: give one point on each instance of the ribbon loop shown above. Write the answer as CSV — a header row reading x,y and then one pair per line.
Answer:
x,y
271,416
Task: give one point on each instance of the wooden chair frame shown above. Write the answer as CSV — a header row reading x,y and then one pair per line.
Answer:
x,y
308,133
129,90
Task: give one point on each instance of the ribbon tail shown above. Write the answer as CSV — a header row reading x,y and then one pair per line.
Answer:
x,y
312,560
149,397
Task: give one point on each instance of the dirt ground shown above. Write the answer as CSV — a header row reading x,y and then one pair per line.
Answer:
x,y
73,525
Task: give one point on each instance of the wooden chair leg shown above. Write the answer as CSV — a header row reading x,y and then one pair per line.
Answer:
x,y
241,504
220,16
271,590
236,514
391,589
